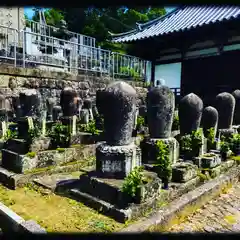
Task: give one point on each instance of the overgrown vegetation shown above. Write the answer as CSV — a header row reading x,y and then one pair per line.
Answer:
x,y
60,135
191,143
140,122
210,138
175,125
31,154
130,72
10,134
163,161
133,182
33,133
89,128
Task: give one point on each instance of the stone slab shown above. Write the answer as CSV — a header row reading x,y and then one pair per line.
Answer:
x,y
53,181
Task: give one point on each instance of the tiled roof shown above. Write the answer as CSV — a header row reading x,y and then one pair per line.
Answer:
x,y
181,19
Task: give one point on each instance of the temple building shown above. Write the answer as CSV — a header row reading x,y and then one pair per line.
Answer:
x,y
197,47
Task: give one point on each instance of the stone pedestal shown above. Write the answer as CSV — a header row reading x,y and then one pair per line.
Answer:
x,y
117,161
226,132
23,127
149,151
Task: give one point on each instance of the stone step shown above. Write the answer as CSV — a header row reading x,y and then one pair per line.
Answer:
x,y
19,146
11,161
99,205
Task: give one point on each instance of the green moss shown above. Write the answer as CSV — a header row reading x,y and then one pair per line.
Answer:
x,y
60,150
31,154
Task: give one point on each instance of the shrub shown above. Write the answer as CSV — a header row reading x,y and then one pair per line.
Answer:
x,y
133,182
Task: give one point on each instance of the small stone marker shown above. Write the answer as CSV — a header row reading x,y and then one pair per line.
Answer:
x,y
30,122
4,128
74,125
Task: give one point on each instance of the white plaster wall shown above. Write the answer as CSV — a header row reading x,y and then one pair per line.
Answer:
x,y
170,73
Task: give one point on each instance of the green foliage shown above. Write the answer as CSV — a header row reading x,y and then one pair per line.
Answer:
x,y
32,134
224,147
60,135
53,16
130,72
210,137
89,128
234,143
175,125
140,122
133,182
190,144
31,154
10,134
163,160
97,22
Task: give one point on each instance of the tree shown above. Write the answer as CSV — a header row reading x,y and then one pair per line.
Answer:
x,y
97,22
53,16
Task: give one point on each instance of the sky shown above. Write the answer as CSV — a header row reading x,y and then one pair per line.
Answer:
x,y
29,11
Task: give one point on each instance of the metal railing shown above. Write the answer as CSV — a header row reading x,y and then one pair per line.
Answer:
x,y
28,49
128,66
48,30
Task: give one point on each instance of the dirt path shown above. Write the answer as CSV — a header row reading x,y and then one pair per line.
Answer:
x,y
219,215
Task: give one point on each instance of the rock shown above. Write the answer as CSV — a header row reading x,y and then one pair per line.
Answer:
x,y
160,111
209,119
236,118
118,104
225,104
190,113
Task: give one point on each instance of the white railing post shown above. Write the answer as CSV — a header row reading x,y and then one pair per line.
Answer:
x,y
24,47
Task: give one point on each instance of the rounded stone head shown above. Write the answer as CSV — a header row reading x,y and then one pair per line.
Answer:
x,y
190,113
225,104
118,104
209,119
236,118
29,100
67,101
160,111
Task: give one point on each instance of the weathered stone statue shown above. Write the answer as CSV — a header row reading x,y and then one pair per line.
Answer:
x,y
160,105
68,102
87,104
57,113
16,106
209,119
160,112
29,101
119,154
50,103
225,104
236,118
190,113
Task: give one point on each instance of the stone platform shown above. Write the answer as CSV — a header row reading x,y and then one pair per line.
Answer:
x,y
106,194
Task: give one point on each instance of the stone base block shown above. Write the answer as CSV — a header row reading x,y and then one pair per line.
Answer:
x,y
20,146
21,163
226,132
117,161
183,172
210,160
82,138
149,152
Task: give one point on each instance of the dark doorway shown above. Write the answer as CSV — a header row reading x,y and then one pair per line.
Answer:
x,y
209,76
